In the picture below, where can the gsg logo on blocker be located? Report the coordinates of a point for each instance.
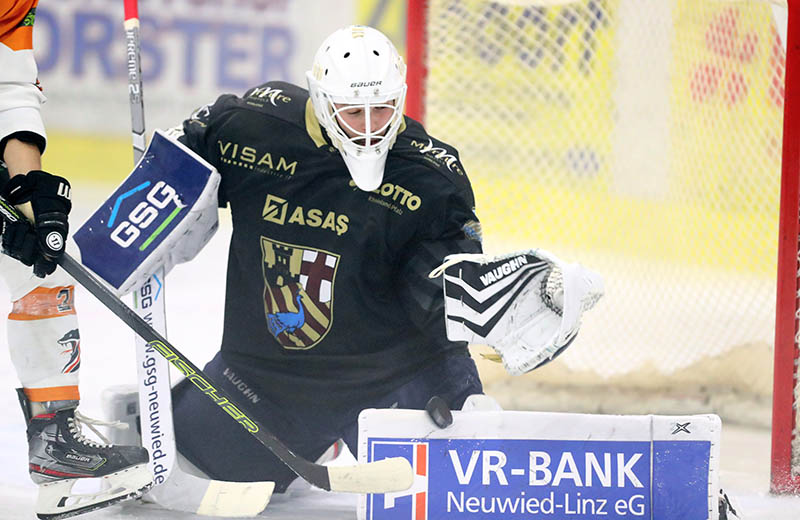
(130, 228)
(411, 504)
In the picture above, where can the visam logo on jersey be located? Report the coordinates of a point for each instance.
(298, 292)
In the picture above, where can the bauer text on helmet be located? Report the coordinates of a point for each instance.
(358, 87)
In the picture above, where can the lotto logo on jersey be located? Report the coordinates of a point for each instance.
(411, 504)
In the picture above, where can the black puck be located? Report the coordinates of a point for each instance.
(439, 412)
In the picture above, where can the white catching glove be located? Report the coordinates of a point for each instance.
(526, 305)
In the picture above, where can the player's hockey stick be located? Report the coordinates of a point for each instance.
(175, 489)
(383, 476)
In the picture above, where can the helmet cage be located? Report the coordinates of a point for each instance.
(376, 141)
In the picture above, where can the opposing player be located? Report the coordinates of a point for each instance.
(43, 334)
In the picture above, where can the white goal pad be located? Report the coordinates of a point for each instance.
(506, 464)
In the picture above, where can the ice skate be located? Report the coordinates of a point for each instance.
(64, 463)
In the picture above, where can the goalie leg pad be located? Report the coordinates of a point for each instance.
(232, 454)
(481, 403)
(186, 488)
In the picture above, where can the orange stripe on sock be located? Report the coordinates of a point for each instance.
(44, 302)
(54, 393)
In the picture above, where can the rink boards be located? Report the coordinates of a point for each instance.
(500, 465)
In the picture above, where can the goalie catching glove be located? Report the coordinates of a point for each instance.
(526, 305)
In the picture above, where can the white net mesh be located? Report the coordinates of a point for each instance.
(641, 138)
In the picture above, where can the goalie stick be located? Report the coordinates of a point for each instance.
(383, 476)
(174, 488)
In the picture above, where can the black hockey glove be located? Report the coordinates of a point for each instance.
(43, 244)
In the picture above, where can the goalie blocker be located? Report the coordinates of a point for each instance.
(526, 305)
(161, 215)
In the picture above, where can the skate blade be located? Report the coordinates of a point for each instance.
(57, 501)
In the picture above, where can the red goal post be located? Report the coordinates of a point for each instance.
(786, 394)
(652, 140)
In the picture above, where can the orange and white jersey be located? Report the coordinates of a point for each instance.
(20, 95)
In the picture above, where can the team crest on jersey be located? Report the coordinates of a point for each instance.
(298, 292)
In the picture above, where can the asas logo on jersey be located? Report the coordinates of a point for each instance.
(276, 210)
(251, 158)
(298, 292)
(411, 504)
(71, 343)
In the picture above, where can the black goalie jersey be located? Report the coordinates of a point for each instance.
(328, 297)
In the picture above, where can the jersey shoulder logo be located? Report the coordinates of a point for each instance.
(270, 95)
(298, 292)
(438, 156)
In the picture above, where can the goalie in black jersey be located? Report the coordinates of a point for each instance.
(341, 207)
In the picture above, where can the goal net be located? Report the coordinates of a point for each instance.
(642, 138)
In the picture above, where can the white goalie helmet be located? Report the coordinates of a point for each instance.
(358, 68)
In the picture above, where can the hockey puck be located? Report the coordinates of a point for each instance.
(439, 412)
